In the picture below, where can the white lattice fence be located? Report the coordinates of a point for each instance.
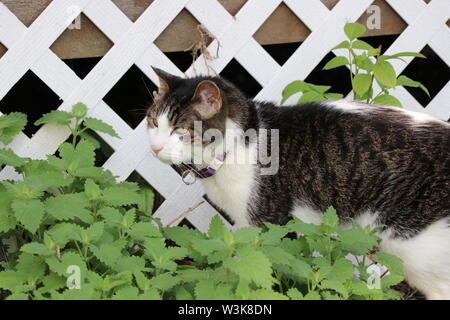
(28, 49)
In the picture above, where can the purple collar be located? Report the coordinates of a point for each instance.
(210, 170)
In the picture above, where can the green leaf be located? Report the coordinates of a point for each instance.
(330, 221)
(385, 73)
(31, 265)
(183, 235)
(111, 216)
(151, 294)
(92, 140)
(294, 294)
(407, 82)
(206, 290)
(354, 30)
(251, 265)
(404, 54)
(359, 44)
(99, 125)
(53, 282)
(334, 96)
(67, 259)
(36, 248)
(11, 125)
(142, 230)
(132, 264)
(343, 45)
(312, 295)
(147, 200)
(307, 229)
(91, 234)
(86, 292)
(341, 270)
(206, 247)
(364, 63)
(7, 219)
(274, 234)
(217, 230)
(387, 99)
(247, 234)
(337, 286)
(29, 213)
(393, 263)
(164, 281)
(182, 294)
(357, 241)
(55, 116)
(107, 253)
(319, 89)
(10, 280)
(127, 293)
(310, 97)
(361, 83)
(18, 296)
(338, 61)
(92, 189)
(79, 110)
(293, 88)
(120, 196)
(82, 156)
(8, 157)
(69, 207)
(62, 233)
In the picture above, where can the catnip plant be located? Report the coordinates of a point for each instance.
(76, 233)
(368, 70)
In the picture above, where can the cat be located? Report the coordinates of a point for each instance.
(379, 165)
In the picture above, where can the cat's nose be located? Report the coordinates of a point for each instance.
(156, 148)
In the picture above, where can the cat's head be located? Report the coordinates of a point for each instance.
(189, 117)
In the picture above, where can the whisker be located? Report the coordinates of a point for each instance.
(148, 90)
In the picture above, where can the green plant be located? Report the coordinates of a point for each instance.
(66, 215)
(366, 66)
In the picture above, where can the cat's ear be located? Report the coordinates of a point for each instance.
(207, 99)
(166, 81)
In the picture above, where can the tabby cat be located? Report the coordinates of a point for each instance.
(382, 166)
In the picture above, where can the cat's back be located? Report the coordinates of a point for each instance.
(352, 123)
(356, 156)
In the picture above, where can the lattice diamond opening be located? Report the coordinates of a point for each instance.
(132, 107)
(63, 46)
(39, 100)
(419, 69)
(237, 74)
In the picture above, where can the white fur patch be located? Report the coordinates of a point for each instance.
(417, 118)
(348, 106)
(426, 258)
(231, 187)
(307, 214)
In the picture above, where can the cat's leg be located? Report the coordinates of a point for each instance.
(426, 258)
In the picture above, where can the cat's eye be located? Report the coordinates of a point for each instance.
(180, 131)
(152, 122)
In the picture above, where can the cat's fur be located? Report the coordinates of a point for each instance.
(379, 165)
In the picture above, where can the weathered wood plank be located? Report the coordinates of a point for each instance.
(282, 27)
